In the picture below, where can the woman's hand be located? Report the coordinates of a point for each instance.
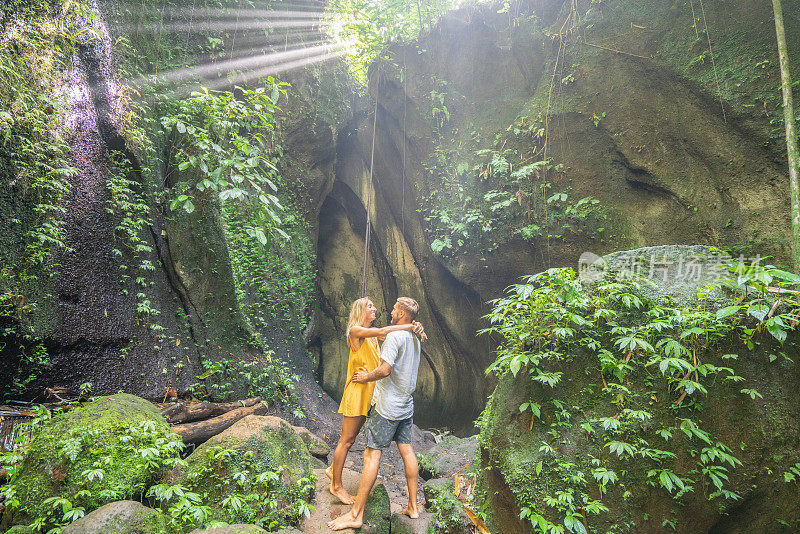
(419, 330)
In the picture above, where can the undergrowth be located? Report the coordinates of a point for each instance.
(657, 362)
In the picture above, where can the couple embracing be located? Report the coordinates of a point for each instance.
(378, 393)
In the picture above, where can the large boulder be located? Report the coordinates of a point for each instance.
(120, 517)
(261, 459)
(113, 447)
(451, 455)
(698, 434)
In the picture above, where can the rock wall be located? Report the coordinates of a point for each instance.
(94, 333)
(634, 120)
(634, 125)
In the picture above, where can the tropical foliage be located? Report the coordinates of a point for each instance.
(658, 363)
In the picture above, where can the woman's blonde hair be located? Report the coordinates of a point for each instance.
(358, 314)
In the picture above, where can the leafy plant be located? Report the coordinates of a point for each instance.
(226, 140)
(34, 160)
(642, 349)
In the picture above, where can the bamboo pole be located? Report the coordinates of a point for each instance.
(791, 136)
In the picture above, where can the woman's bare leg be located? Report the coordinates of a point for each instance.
(351, 426)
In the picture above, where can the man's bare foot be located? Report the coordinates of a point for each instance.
(329, 472)
(411, 511)
(341, 494)
(344, 521)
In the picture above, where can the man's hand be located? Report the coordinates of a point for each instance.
(360, 376)
(418, 329)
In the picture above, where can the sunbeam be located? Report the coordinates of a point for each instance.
(322, 48)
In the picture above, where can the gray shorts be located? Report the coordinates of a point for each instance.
(381, 431)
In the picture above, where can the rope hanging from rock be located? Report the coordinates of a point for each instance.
(369, 192)
(405, 142)
(713, 63)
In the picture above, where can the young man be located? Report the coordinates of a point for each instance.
(391, 415)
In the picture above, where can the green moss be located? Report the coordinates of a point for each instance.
(107, 434)
(448, 511)
(121, 517)
(377, 512)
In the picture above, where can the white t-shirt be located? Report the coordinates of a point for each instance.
(392, 397)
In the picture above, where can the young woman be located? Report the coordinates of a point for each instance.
(364, 352)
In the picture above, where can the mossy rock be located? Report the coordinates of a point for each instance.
(424, 524)
(449, 516)
(447, 457)
(525, 462)
(92, 432)
(21, 529)
(120, 517)
(232, 462)
(377, 512)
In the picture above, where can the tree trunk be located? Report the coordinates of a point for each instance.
(202, 430)
(183, 413)
(791, 137)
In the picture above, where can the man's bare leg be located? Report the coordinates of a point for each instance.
(351, 426)
(355, 517)
(412, 477)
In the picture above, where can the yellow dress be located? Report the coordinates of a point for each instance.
(357, 398)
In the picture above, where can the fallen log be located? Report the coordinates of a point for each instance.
(171, 409)
(200, 431)
(203, 410)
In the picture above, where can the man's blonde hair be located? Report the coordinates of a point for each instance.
(409, 307)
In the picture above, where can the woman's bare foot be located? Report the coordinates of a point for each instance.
(346, 520)
(341, 494)
(411, 511)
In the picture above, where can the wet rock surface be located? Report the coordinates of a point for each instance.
(402, 524)
(328, 507)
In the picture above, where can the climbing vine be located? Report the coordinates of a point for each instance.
(34, 170)
(480, 198)
(226, 140)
